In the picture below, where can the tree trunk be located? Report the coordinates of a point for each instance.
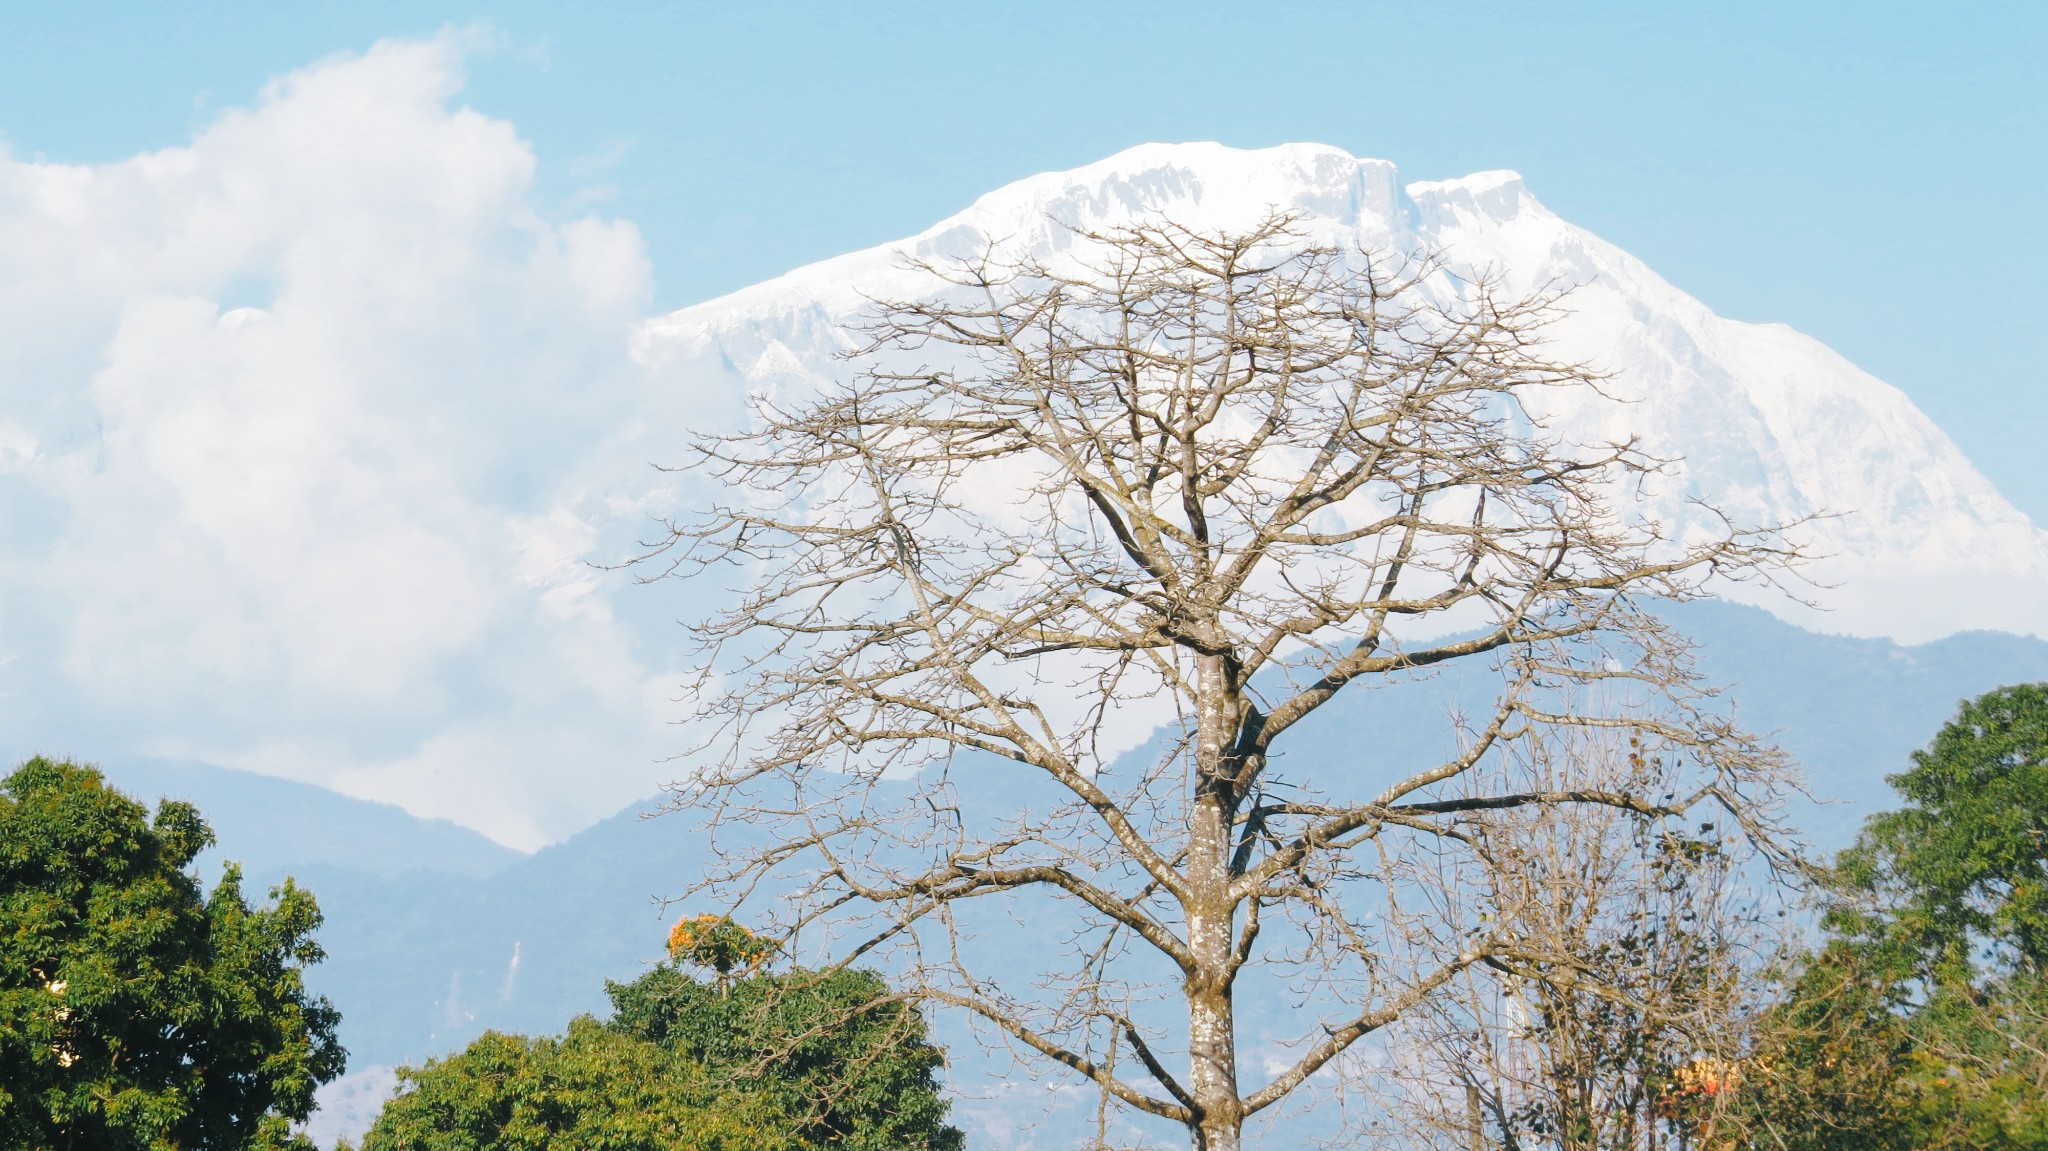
(1212, 1024)
(1212, 1036)
(1475, 1119)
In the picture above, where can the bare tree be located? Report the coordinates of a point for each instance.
(1633, 1033)
(1213, 480)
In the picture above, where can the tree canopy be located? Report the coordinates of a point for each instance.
(590, 1089)
(136, 1012)
(844, 1059)
(1965, 862)
(785, 1061)
(1921, 1023)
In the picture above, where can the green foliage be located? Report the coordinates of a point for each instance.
(135, 1013)
(1835, 1061)
(593, 1089)
(1967, 859)
(1923, 1022)
(848, 1062)
(785, 1062)
(1860, 1055)
(1982, 1072)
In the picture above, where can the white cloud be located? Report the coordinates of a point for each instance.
(303, 430)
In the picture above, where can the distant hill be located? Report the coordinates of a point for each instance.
(1849, 709)
(275, 826)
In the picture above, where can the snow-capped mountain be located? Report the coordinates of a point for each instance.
(1759, 420)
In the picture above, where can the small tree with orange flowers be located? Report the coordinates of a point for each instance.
(845, 1059)
(716, 942)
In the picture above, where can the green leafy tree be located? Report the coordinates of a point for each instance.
(1982, 1070)
(1966, 860)
(788, 1061)
(136, 1012)
(1854, 1062)
(717, 943)
(593, 1089)
(1923, 1021)
(847, 1061)
(1836, 1067)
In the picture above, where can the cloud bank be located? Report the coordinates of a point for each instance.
(300, 429)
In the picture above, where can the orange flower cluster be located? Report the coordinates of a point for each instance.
(718, 943)
(1689, 1100)
(684, 937)
(1709, 1077)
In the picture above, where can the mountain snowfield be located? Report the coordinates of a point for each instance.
(1758, 420)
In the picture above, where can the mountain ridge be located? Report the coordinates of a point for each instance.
(1757, 419)
(271, 825)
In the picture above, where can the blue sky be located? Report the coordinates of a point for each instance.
(1871, 173)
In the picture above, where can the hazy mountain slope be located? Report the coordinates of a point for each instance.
(274, 826)
(420, 963)
(1849, 709)
(1760, 420)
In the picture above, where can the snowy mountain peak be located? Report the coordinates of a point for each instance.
(1761, 421)
(1203, 184)
(1499, 196)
